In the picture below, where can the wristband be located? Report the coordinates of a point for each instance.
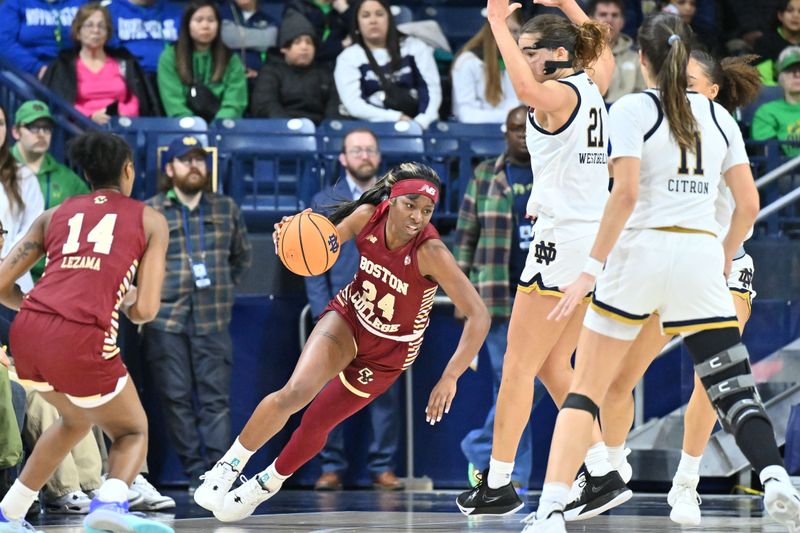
(593, 267)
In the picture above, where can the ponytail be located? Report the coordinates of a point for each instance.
(380, 191)
(665, 41)
(592, 37)
(584, 43)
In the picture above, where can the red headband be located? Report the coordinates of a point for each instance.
(423, 187)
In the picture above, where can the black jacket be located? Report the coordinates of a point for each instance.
(62, 77)
(339, 25)
(282, 90)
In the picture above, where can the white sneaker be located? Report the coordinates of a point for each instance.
(685, 501)
(152, 500)
(242, 502)
(552, 523)
(782, 503)
(76, 502)
(216, 484)
(134, 498)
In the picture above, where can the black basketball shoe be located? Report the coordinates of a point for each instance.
(483, 500)
(598, 495)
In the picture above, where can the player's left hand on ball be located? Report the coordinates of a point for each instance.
(574, 294)
(440, 400)
(285, 220)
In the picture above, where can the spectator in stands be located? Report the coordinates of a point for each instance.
(33, 31)
(360, 159)
(98, 80)
(743, 22)
(627, 77)
(785, 32)
(482, 90)
(188, 347)
(780, 119)
(33, 131)
(145, 28)
(198, 75)
(295, 85)
(701, 17)
(492, 240)
(249, 31)
(385, 75)
(332, 21)
(20, 198)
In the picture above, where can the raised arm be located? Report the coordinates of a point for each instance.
(436, 262)
(150, 277)
(546, 97)
(20, 259)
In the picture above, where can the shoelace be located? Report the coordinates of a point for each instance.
(223, 474)
(254, 490)
(145, 486)
(687, 493)
(530, 519)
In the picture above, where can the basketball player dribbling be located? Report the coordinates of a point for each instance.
(559, 68)
(368, 335)
(662, 255)
(64, 339)
(733, 83)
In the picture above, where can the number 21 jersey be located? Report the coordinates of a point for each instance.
(94, 244)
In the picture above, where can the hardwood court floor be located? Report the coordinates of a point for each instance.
(365, 511)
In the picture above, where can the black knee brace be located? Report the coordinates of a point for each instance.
(581, 403)
(727, 377)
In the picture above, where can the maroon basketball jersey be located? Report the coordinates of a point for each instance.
(389, 296)
(94, 244)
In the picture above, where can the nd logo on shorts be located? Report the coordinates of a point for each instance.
(365, 375)
(545, 252)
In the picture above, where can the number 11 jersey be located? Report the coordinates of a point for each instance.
(94, 244)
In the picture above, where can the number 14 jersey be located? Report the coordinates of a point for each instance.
(389, 299)
(94, 244)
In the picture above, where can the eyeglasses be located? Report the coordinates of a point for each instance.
(92, 26)
(37, 130)
(360, 152)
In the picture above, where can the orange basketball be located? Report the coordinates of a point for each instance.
(308, 244)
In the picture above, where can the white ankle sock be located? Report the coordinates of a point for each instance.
(773, 471)
(597, 460)
(113, 490)
(553, 495)
(270, 479)
(499, 473)
(689, 467)
(237, 455)
(17, 501)
(616, 455)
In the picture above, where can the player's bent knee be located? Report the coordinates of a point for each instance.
(294, 396)
(581, 403)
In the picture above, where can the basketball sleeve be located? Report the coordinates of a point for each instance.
(736, 153)
(628, 120)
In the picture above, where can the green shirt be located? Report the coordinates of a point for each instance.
(58, 182)
(780, 120)
(231, 89)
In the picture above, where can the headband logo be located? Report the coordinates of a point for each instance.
(428, 189)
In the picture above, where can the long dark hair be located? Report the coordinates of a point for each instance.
(101, 155)
(393, 35)
(220, 54)
(584, 43)
(738, 80)
(668, 57)
(8, 172)
(380, 191)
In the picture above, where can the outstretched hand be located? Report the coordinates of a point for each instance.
(440, 400)
(500, 10)
(285, 220)
(574, 293)
(552, 3)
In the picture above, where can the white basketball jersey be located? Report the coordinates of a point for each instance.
(724, 207)
(677, 187)
(570, 165)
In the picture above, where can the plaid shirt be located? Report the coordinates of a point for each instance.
(227, 257)
(484, 235)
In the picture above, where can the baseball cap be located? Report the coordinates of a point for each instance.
(789, 57)
(181, 146)
(31, 111)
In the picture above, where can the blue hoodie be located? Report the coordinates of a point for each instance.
(33, 31)
(144, 30)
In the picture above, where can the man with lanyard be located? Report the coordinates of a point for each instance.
(493, 235)
(33, 131)
(360, 159)
(188, 347)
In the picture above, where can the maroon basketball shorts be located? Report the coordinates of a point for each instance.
(54, 354)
